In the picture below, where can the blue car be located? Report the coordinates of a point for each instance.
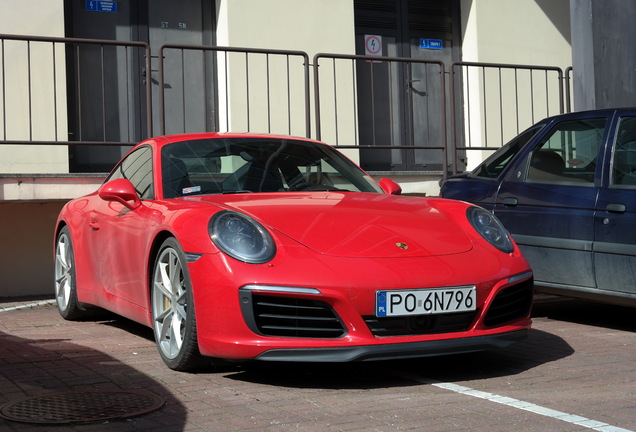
(566, 190)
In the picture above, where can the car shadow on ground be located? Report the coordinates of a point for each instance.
(585, 312)
(539, 348)
(51, 368)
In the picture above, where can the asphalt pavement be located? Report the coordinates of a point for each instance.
(575, 372)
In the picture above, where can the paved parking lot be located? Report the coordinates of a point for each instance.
(576, 372)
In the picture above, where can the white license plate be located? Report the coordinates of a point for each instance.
(425, 301)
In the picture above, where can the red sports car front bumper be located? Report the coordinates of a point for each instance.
(238, 320)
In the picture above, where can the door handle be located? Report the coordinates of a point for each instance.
(616, 208)
(93, 223)
(510, 202)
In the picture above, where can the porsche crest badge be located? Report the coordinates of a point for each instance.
(402, 246)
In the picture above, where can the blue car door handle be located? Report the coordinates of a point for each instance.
(510, 202)
(616, 208)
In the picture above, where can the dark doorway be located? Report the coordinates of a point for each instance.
(107, 83)
(403, 107)
(187, 22)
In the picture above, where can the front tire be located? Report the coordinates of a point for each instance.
(65, 281)
(173, 313)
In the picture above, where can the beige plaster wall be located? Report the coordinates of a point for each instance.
(523, 32)
(325, 26)
(33, 96)
(519, 31)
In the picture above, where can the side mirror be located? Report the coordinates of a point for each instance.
(390, 187)
(122, 191)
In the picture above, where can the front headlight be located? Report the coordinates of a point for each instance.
(241, 237)
(489, 227)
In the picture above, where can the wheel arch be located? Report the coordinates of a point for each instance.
(188, 356)
(59, 226)
(152, 257)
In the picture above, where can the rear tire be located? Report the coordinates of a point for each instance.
(173, 314)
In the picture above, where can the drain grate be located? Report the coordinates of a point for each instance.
(81, 407)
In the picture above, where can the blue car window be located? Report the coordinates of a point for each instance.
(498, 161)
(624, 160)
(568, 154)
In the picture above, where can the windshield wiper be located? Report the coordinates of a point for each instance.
(236, 191)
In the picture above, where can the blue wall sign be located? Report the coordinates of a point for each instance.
(435, 44)
(101, 6)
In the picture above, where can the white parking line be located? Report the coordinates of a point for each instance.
(27, 305)
(519, 404)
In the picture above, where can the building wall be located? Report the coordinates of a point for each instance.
(518, 32)
(521, 32)
(32, 95)
(26, 229)
(305, 25)
(325, 26)
(603, 53)
(26, 259)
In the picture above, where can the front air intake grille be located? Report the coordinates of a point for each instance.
(511, 303)
(294, 317)
(420, 324)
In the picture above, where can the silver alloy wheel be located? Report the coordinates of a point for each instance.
(64, 272)
(170, 304)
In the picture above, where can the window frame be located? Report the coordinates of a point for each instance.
(567, 176)
(520, 141)
(614, 149)
(121, 172)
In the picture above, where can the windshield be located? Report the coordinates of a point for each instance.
(243, 165)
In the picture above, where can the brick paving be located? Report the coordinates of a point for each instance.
(580, 359)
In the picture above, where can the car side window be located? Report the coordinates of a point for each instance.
(498, 161)
(624, 157)
(569, 153)
(137, 167)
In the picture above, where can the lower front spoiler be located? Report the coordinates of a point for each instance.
(395, 351)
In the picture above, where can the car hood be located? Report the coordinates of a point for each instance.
(356, 224)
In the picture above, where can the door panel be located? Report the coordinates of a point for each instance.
(121, 236)
(550, 209)
(399, 104)
(188, 23)
(615, 246)
(105, 84)
(108, 83)
(554, 233)
(425, 95)
(380, 115)
(615, 221)
(119, 244)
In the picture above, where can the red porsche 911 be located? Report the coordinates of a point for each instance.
(263, 247)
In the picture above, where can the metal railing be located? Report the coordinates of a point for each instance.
(568, 89)
(53, 110)
(499, 101)
(383, 91)
(80, 92)
(275, 81)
